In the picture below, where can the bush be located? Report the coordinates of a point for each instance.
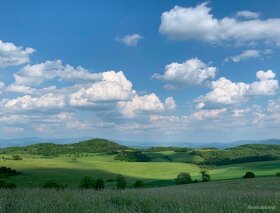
(205, 176)
(195, 181)
(16, 157)
(138, 184)
(132, 156)
(52, 184)
(121, 183)
(99, 184)
(249, 175)
(7, 185)
(110, 180)
(278, 174)
(6, 172)
(87, 183)
(183, 178)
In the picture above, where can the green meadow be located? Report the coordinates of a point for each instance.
(160, 171)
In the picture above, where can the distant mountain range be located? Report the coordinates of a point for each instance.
(221, 145)
(34, 140)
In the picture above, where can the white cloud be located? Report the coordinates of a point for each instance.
(141, 104)
(170, 103)
(34, 75)
(47, 101)
(247, 54)
(198, 23)
(208, 114)
(247, 14)
(190, 72)
(2, 86)
(11, 55)
(274, 106)
(113, 87)
(130, 40)
(225, 92)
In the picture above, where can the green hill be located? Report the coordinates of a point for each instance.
(239, 154)
(48, 149)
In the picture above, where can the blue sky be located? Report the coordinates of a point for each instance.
(140, 70)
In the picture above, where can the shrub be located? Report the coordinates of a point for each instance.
(7, 185)
(195, 181)
(278, 174)
(138, 184)
(87, 182)
(110, 180)
(53, 184)
(10, 186)
(6, 172)
(205, 176)
(16, 157)
(99, 184)
(249, 175)
(132, 156)
(183, 178)
(121, 183)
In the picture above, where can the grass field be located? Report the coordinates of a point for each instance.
(226, 196)
(161, 171)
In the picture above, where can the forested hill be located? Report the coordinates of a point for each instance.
(89, 146)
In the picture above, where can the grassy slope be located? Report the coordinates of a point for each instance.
(66, 170)
(218, 196)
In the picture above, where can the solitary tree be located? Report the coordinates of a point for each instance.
(138, 184)
(87, 182)
(249, 175)
(183, 178)
(121, 183)
(99, 184)
(205, 176)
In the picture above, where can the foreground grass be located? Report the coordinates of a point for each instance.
(218, 196)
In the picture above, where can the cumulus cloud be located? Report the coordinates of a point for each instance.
(199, 23)
(34, 75)
(130, 40)
(208, 114)
(47, 101)
(141, 104)
(170, 103)
(113, 87)
(225, 92)
(2, 86)
(190, 72)
(247, 14)
(246, 54)
(11, 55)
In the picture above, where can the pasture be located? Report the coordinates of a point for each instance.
(161, 171)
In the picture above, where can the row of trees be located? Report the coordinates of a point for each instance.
(185, 177)
(89, 182)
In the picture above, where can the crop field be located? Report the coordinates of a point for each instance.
(225, 196)
(159, 172)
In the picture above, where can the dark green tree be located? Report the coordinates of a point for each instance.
(249, 175)
(183, 178)
(205, 175)
(139, 184)
(87, 182)
(99, 184)
(121, 183)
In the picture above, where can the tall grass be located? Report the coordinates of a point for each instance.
(219, 196)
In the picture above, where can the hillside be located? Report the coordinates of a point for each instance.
(239, 154)
(48, 149)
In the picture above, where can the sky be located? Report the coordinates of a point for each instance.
(163, 71)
